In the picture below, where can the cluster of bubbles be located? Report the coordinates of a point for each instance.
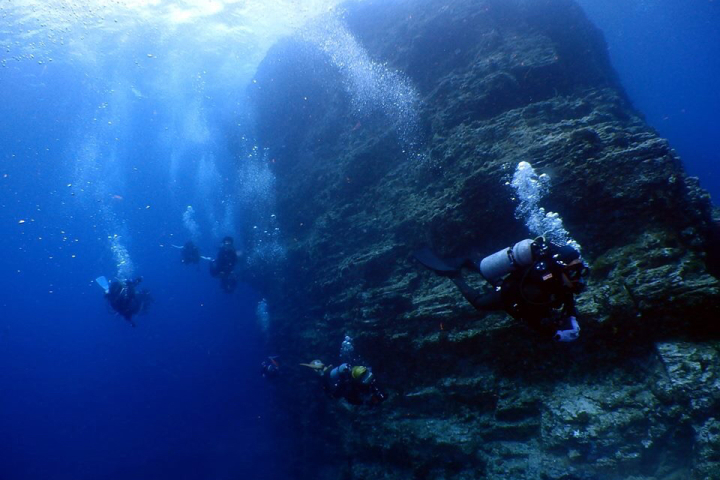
(256, 199)
(530, 189)
(266, 244)
(191, 225)
(94, 166)
(96, 178)
(187, 120)
(256, 180)
(221, 227)
(42, 28)
(216, 202)
(370, 85)
(121, 256)
(347, 351)
(262, 315)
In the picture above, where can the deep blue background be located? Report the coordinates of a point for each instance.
(667, 54)
(85, 395)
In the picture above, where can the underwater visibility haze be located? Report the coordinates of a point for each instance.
(122, 124)
(129, 128)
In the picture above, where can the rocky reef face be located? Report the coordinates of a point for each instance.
(365, 176)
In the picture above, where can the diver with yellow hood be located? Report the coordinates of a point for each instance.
(356, 384)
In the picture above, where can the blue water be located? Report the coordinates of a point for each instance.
(115, 145)
(112, 126)
(86, 396)
(666, 55)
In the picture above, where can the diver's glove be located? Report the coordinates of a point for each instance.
(569, 335)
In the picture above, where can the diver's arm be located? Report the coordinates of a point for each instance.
(571, 332)
(570, 329)
(478, 299)
(568, 309)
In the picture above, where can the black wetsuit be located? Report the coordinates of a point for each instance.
(190, 254)
(534, 294)
(125, 299)
(339, 383)
(223, 266)
(226, 260)
(269, 369)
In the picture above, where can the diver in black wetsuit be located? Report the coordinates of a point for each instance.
(124, 297)
(190, 253)
(535, 281)
(223, 265)
(356, 384)
(270, 368)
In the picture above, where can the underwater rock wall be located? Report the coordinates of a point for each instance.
(359, 188)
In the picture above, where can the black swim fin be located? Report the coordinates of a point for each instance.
(429, 260)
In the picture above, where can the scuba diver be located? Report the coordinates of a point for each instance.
(270, 368)
(223, 265)
(190, 253)
(535, 281)
(356, 384)
(124, 297)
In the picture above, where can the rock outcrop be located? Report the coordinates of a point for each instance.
(359, 189)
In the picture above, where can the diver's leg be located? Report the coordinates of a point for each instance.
(479, 300)
(465, 262)
(445, 266)
(428, 259)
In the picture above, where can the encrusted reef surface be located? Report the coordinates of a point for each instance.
(365, 176)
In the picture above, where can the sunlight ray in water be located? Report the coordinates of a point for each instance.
(56, 30)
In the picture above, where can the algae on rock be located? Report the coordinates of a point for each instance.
(471, 395)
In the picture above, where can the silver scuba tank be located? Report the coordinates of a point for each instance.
(495, 266)
(337, 371)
